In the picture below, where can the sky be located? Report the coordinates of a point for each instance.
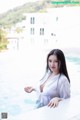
(6, 5)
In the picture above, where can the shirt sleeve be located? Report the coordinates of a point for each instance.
(64, 88)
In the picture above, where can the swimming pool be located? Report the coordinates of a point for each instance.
(16, 106)
(14, 72)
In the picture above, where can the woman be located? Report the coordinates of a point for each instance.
(55, 85)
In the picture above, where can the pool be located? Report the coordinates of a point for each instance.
(16, 106)
(15, 74)
(74, 73)
(13, 78)
(74, 59)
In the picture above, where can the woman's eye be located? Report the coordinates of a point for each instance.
(53, 61)
(56, 61)
(50, 60)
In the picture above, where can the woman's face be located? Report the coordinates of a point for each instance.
(53, 63)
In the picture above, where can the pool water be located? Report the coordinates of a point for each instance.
(15, 107)
(13, 76)
(76, 60)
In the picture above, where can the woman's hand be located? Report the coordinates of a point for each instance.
(29, 89)
(54, 102)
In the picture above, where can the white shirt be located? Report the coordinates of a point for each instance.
(57, 86)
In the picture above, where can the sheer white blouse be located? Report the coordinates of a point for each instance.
(57, 86)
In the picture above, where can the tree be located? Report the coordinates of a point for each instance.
(3, 39)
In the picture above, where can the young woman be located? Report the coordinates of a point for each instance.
(55, 85)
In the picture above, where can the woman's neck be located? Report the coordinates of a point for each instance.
(55, 73)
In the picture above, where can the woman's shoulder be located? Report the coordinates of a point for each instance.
(63, 78)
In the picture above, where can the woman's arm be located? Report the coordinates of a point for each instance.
(63, 91)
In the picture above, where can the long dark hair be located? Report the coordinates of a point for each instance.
(62, 62)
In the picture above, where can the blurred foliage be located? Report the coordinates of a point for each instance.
(18, 30)
(3, 40)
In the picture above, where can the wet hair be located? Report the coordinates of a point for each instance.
(62, 62)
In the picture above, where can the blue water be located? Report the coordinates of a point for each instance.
(14, 72)
(75, 60)
(16, 108)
